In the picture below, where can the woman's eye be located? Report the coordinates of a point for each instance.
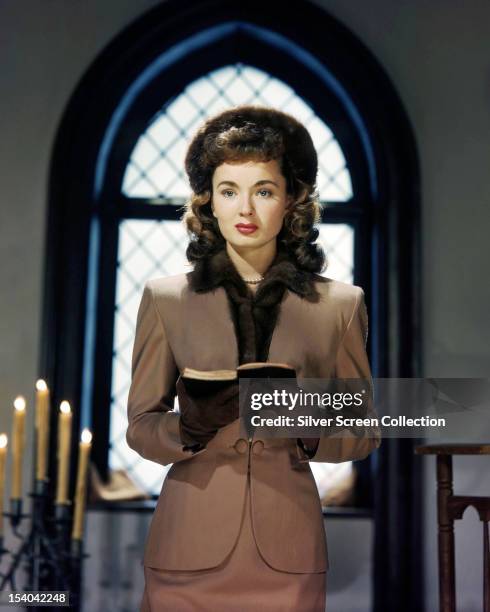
(228, 193)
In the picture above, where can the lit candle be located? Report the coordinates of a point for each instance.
(42, 428)
(83, 458)
(63, 455)
(18, 441)
(3, 458)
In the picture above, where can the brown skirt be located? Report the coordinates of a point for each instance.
(242, 582)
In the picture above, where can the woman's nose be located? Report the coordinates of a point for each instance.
(246, 205)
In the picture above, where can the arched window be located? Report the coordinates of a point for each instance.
(117, 185)
(154, 175)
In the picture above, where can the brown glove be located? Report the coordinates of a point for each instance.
(204, 409)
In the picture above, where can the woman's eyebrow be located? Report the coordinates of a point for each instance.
(263, 182)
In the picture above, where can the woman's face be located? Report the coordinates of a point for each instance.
(249, 193)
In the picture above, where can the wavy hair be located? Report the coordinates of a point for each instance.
(254, 133)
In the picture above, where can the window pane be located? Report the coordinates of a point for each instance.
(156, 166)
(147, 249)
(337, 240)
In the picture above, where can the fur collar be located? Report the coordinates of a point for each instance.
(254, 315)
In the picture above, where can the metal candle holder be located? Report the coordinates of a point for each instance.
(48, 551)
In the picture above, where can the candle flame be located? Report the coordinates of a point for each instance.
(41, 385)
(65, 406)
(20, 403)
(86, 436)
(3, 440)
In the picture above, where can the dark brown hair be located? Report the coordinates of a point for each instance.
(255, 133)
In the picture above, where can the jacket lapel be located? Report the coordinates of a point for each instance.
(254, 316)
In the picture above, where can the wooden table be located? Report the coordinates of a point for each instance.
(450, 508)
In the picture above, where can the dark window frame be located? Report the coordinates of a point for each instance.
(84, 208)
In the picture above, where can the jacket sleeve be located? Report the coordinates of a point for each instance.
(340, 444)
(153, 425)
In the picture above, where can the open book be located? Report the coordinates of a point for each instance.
(255, 369)
(199, 382)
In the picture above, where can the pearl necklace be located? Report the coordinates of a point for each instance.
(253, 281)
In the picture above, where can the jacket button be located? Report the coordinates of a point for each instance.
(257, 447)
(241, 446)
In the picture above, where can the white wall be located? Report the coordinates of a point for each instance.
(436, 53)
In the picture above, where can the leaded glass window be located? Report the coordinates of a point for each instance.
(150, 248)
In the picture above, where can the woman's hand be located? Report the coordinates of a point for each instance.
(202, 414)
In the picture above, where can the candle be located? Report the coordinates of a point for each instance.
(83, 458)
(18, 440)
(63, 454)
(3, 457)
(42, 428)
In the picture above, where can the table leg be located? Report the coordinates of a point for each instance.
(447, 590)
(486, 568)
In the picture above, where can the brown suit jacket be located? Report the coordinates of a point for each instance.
(197, 518)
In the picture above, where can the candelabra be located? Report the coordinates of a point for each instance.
(49, 552)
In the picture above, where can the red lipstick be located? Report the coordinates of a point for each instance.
(246, 228)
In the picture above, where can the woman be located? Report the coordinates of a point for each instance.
(238, 524)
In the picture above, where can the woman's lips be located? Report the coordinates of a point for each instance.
(246, 229)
